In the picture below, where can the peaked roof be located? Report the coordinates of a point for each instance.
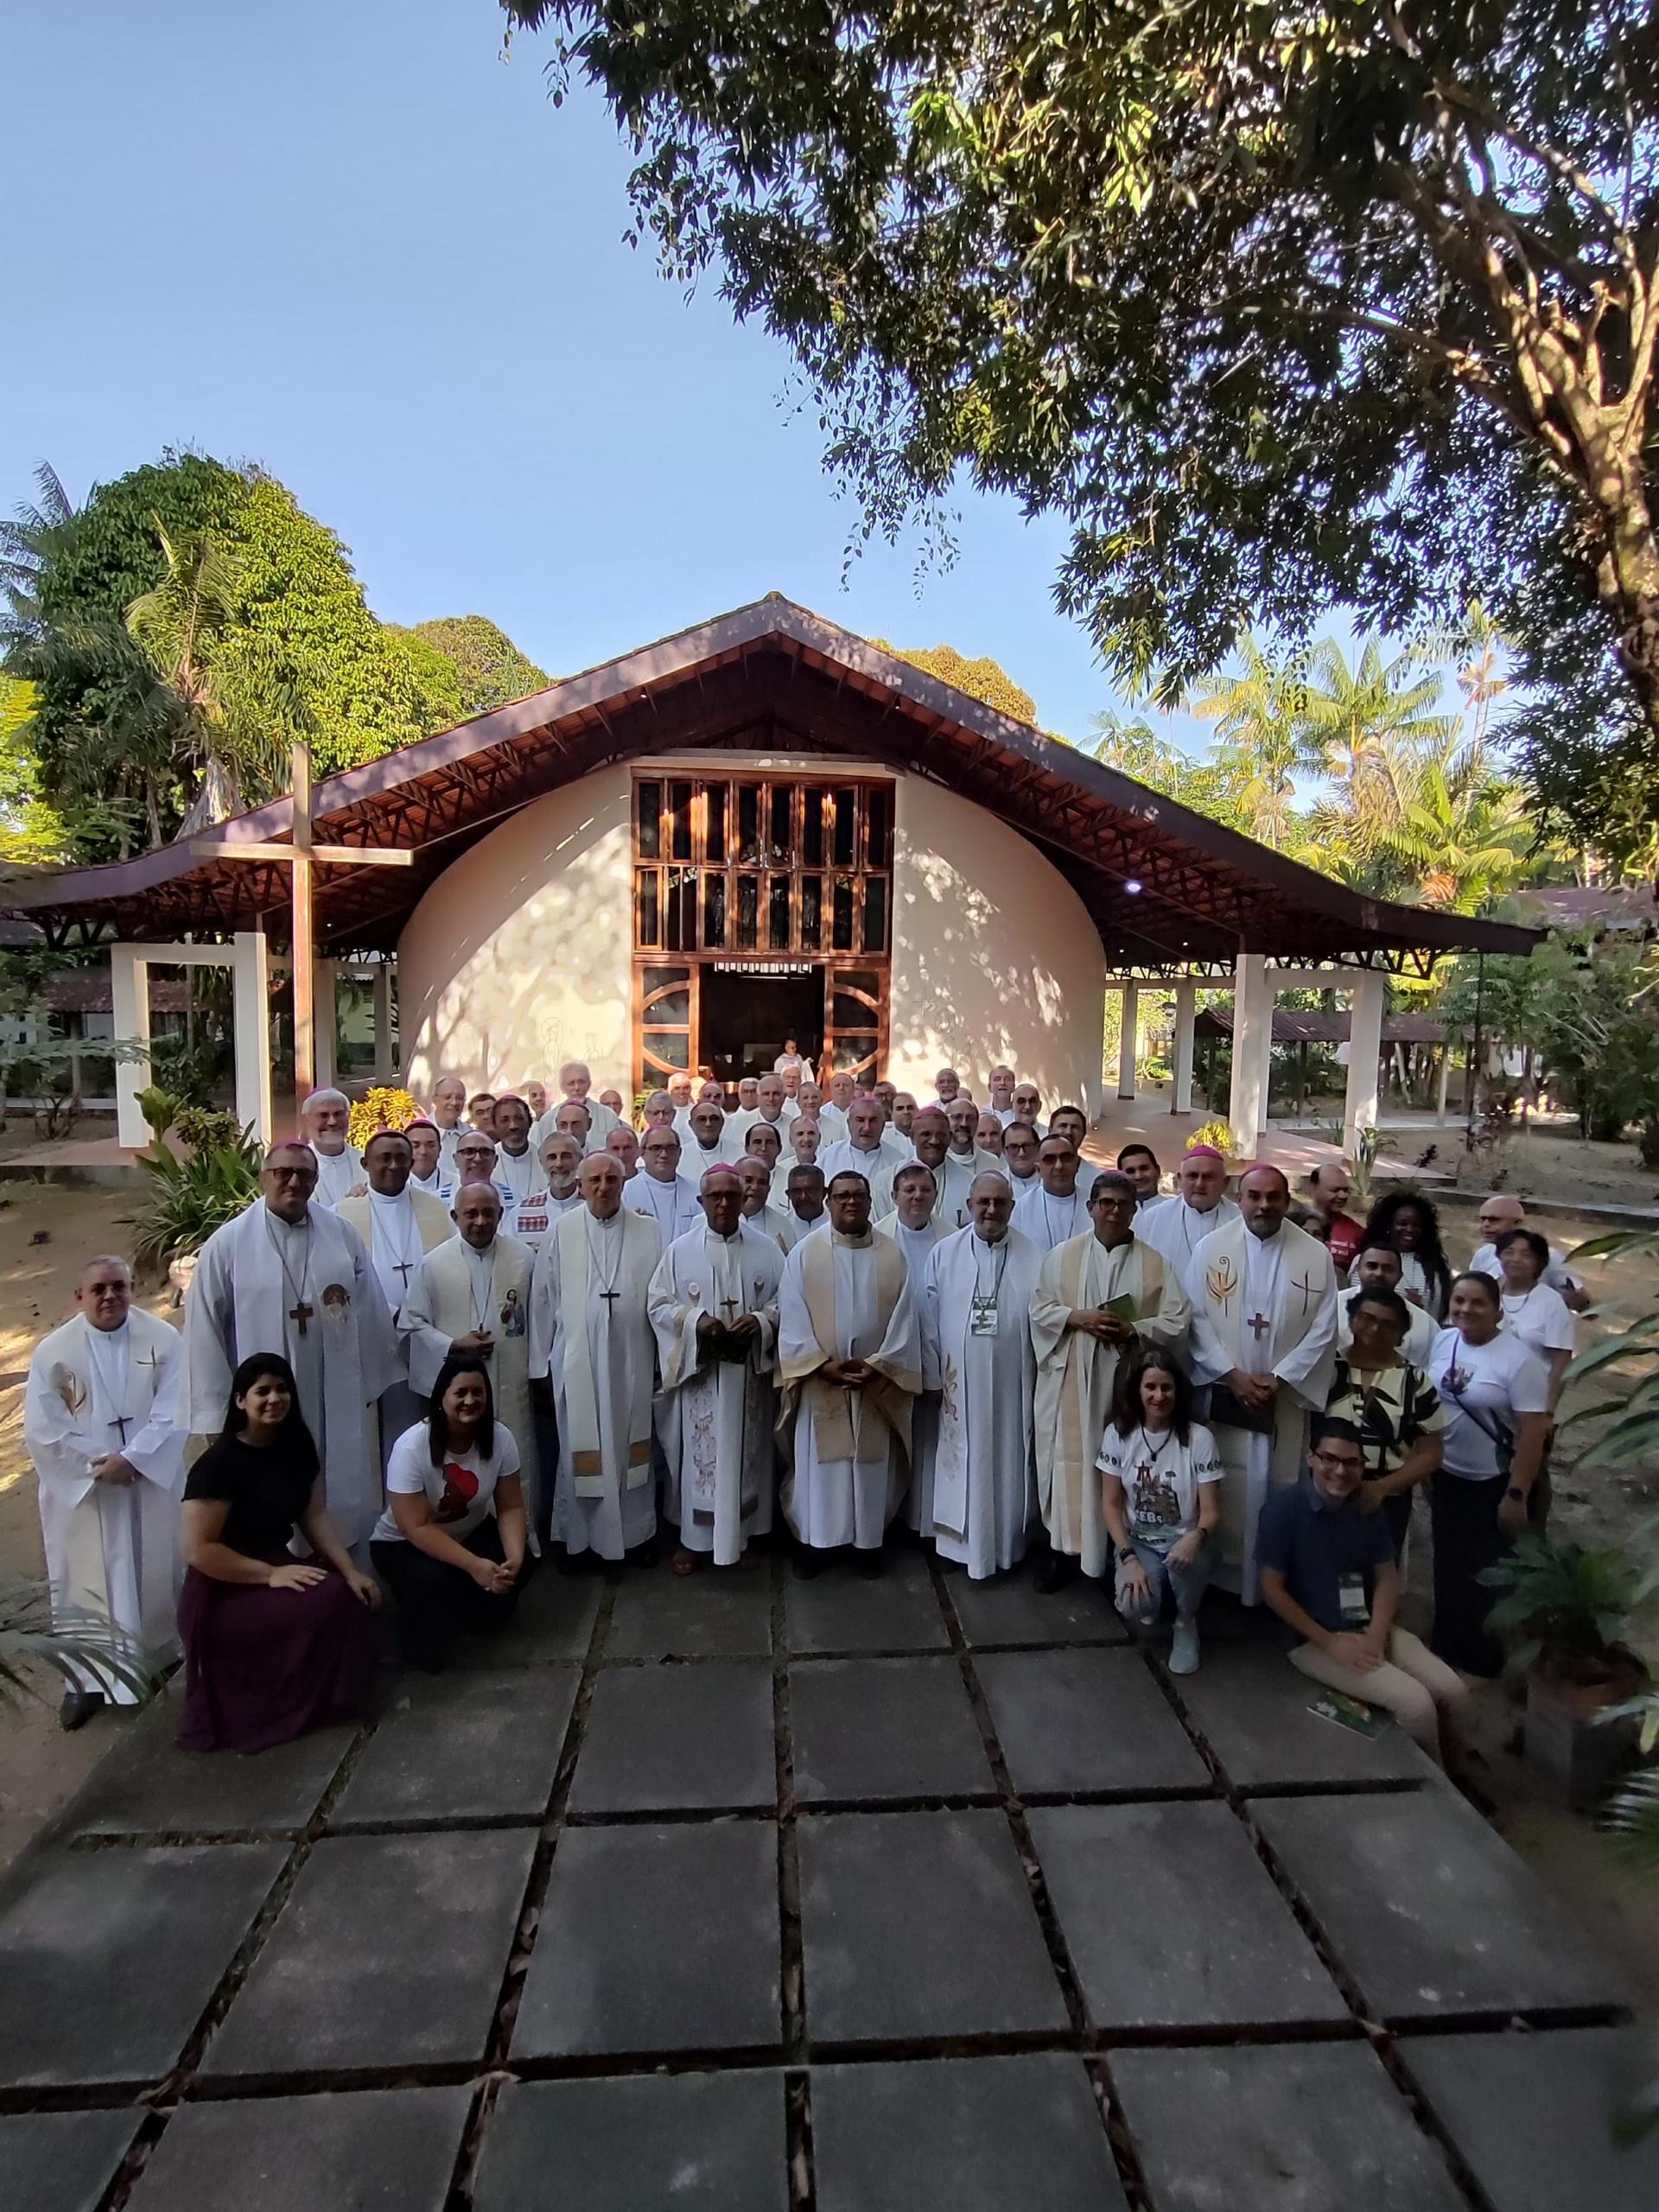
(1166, 888)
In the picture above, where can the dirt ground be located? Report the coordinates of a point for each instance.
(46, 1232)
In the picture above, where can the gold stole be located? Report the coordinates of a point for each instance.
(581, 1399)
(833, 1430)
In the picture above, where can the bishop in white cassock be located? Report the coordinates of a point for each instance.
(714, 1307)
(99, 1425)
(288, 1277)
(849, 1349)
(1079, 1340)
(976, 1354)
(471, 1294)
(1051, 1209)
(1179, 1225)
(324, 1120)
(915, 1228)
(1264, 1323)
(591, 1337)
(400, 1225)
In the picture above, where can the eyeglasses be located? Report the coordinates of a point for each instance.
(1339, 1464)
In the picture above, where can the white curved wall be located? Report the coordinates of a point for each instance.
(519, 956)
(994, 956)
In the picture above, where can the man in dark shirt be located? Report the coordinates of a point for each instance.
(1327, 1570)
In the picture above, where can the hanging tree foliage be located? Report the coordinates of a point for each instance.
(1279, 306)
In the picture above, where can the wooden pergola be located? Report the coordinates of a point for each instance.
(1173, 895)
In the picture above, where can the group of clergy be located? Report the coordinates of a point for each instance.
(849, 1302)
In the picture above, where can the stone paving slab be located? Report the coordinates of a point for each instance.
(553, 1620)
(656, 1939)
(1428, 1909)
(390, 1952)
(148, 1786)
(1252, 1709)
(920, 1924)
(373, 2151)
(1260, 2128)
(1533, 2115)
(62, 2161)
(1017, 2135)
(662, 1738)
(650, 2143)
(874, 1728)
(1011, 1610)
(838, 1611)
(1086, 1720)
(723, 1613)
(108, 1958)
(1173, 1922)
(473, 1746)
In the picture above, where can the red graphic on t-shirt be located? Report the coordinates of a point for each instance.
(459, 1489)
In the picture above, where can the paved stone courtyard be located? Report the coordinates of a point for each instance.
(804, 1896)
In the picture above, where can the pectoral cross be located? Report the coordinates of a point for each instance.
(123, 1423)
(301, 1313)
(610, 1298)
(1259, 1326)
(405, 1267)
(734, 1305)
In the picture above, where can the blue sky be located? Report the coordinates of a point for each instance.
(346, 240)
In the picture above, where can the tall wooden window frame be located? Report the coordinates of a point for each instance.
(700, 842)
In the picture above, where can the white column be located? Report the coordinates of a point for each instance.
(250, 1010)
(1366, 999)
(326, 1020)
(130, 1005)
(1187, 1000)
(1444, 1078)
(1252, 1044)
(383, 1070)
(1128, 1039)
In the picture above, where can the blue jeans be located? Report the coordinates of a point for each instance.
(1187, 1584)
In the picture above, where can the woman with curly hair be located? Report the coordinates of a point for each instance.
(1407, 1222)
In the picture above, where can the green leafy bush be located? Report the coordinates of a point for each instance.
(186, 1200)
(1564, 1608)
(206, 1128)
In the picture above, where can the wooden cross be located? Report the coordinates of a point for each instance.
(1259, 1326)
(301, 1312)
(303, 855)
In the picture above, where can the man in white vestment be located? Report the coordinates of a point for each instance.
(325, 1119)
(400, 1225)
(1028, 1108)
(850, 1351)
(428, 1172)
(947, 1088)
(658, 1114)
(1178, 1224)
(837, 1105)
(1056, 1210)
(661, 1191)
(471, 1294)
(714, 1306)
(288, 1276)
(474, 1159)
(683, 1095)
(709, 1144)
(1142, 1165)
(534, 1095)
(528, 1222)
(862, 1153)
(915, 1228)
(976, 1354)
(804, 1209)
(1264, 1324)
(517, 1164)
(1001, 1104)
(100, 1426)
(903, 1114)
(448, 1117)
(808, 1099)
(574, 1118)
(576, 1082)
(769, 1111)
(1019, 1143)
(623, 1147)
(805, 1143)
(591, 1337)
(754, 1182)
(761, 1142)
(1098, 1295)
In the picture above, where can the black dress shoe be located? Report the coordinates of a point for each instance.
(807, 1563)
(78, 1708)
(870, 1564)
(1052, 1570)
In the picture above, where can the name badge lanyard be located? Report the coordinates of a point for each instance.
(982, 1314)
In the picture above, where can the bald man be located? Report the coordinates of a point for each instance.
(1500, 1212)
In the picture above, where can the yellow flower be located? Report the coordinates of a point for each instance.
(383, 1109)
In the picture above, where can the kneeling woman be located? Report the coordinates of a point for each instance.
(273, 1645)
(1162, 1497)
(450, 1545)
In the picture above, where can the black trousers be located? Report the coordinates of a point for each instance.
(438, 1603)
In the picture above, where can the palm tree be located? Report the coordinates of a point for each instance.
(1466, 833)
(28, 544)
(1366, 723)
(1260, 746)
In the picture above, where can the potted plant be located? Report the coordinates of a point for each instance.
(1562, 1610)
(185, 1199)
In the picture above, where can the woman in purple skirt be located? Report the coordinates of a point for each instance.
(273, 1645)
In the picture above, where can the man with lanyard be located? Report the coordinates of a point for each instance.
(1057, 1209)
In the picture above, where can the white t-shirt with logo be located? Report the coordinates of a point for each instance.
(1540, 1317)
(1161, 1478)
(461, 1493)
(1483, 1388)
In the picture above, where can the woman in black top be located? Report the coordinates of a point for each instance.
(1408, 1223)
(273, 1645)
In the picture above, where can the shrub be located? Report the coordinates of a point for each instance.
(186, 1200)
(384, 1108)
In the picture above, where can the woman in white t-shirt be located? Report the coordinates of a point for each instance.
(1161, 1480)
(1532, 1310)
(1495, 1394)
(450, 1545)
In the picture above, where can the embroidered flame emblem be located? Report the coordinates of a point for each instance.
(1221, 1281)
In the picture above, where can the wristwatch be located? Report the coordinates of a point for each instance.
(1514, 1490)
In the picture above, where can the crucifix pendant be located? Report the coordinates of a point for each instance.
(728, 1306)
(610, 1298)
(1259, 1326)
(300, 1313)
(403, 1268)
(121, 1423)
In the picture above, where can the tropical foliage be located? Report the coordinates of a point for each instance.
(183, 1201)
(983, 679)
(72, 1645)
(491, 671)
(173, 635)
(385, 1107)
(1279, 310)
